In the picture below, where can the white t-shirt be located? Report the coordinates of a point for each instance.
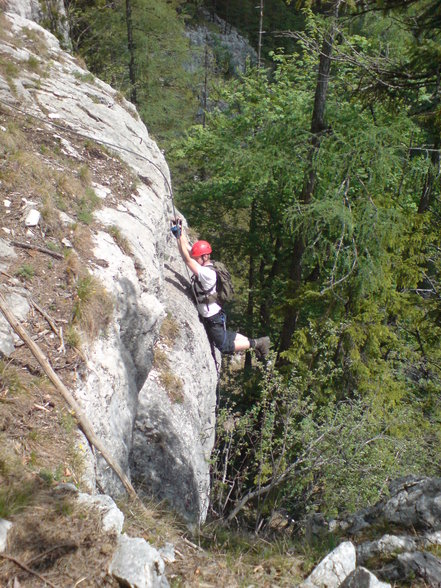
(207, 278)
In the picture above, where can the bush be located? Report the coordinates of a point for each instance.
(283, 449)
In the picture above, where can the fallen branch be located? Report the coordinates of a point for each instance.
(37, 248)
(188, 542)
(80, 415)
(51, 322)
(61, 546)
(27, 569)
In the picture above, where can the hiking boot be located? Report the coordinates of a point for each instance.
(262, 347)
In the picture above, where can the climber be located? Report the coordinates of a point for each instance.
(197, 259)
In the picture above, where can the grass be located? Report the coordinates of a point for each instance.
(26, 272)
(93, 306)
(33, 64)
(120, 240)
(14, 498)
(171, 383)
(10, 381)
(169, 330)
(26, 170)
(9, 68)
(84, 77)
(72, 337)
(36, 41)
(87, 203)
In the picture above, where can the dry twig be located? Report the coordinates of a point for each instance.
(37, 248)
(27, 569)
(53, 326)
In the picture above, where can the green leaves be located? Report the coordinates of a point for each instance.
(164, 93)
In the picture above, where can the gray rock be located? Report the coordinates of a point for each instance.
(168, 553)
(36, 10)
(137, 564)
(66, 488)
(388, 544)
(5, 526)
(430, 539)
(18, 304)
(333, 569)
(32, 218)
(111, 517)
(363, 578)
(161, 440)
(26, 8)
(7, 254)
(174, 427)
(413, 503)
(421, 565)
(220, 36)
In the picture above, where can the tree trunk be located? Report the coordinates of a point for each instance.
(205, 90)
(318, 126)
(131, 47)
(429, 182)
(266, 285)
(259, 48)
(251, 282)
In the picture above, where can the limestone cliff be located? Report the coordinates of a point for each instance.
(148, 384)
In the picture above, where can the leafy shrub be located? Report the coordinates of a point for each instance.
(278, 447)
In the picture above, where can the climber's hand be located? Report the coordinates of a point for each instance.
(176, 228)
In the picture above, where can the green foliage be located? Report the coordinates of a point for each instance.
(25, 271)
(357, 403)
(293, 448)
(163, 89)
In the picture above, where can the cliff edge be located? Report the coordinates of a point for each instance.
(82, 178)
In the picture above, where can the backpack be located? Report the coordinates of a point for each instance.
(224, 286)
(224, 283)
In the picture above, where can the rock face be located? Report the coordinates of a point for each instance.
(227, 47)
(149, 384)
(52, 13)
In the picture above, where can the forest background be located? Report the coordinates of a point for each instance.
(315, 175)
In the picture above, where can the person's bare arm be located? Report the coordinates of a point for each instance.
(184, 250)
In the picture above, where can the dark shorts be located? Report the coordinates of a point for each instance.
(218, 334)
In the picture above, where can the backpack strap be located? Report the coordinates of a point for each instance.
(204, 296)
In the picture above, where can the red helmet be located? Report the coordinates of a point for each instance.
(200, 248)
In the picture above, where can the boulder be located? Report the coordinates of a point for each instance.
(417, 565)
(363, 578)
(413, 503)
(137, 564)
(333, 569)
(112, 519)
(5, 526)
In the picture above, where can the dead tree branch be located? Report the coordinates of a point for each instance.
(27, 569)
(37, 248)
(79, 413)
